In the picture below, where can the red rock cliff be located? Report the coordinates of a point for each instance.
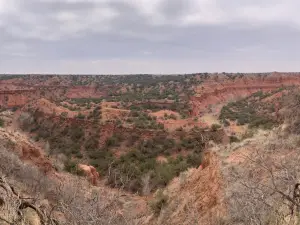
(223, 89)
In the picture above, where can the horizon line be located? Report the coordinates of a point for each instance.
(132, 74)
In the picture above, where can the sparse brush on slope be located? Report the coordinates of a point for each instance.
(263, 183)
(1, 122)
(140, 158)
(51, 201)
(249, 111)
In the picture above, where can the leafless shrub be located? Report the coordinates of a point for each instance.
(262, 190)
(73, 199)
(59, 161)
(146, 184)
(290, 112)
(25, 119)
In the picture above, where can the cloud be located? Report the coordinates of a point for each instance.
(153, 35)
(147, 52)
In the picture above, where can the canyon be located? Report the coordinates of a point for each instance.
(163, 150)
(218, 88)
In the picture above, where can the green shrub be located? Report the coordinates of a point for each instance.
(112, 141)
(258, 94)
(76, 133)
(164, 174)
(188, 143)
(81, 116)
(37, 138)
(101, 160)
(43, 133)
(75, 148)
(79, 155)
(248, 134)
(194, 159)
(91, 143)
(79, 172)
(160, 126)
(215, 127)
(172, 116)
(15, 108)
(132, 139)
(71, 166)
(262, 122)
(226, 123)
(1, 122)
(159, 202)
(243, 119)
(233, 139)
(64, 115)
(134, 113)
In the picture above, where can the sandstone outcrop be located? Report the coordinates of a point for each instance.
(84, 92)
(90, 172)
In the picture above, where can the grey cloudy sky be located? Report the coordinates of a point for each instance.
(149, 36)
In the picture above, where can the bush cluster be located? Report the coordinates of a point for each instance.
(130, 169)
(1, 122)
(142, 120)
(249, 111)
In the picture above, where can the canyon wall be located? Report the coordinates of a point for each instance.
(14, 98)
(215, 91)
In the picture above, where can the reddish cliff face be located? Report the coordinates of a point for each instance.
(196, 197)
(215, 89)
(223, 89)
(16, 97)
(19, 95)
(84, 92)
(26, 150)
